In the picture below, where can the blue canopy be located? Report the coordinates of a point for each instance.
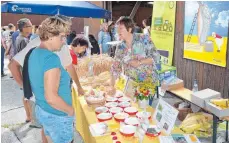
(67, 8)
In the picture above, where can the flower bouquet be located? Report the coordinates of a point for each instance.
(143, 93)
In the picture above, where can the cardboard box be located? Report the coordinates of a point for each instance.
(172, 86)
(217, 110)
(200, 97)
(166, 72)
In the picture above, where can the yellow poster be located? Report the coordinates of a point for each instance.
(205, 31)
(162, 29)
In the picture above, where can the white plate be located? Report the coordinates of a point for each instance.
(104, 116)
(111, 99)
(132, 121)
(122, 99)
(115, 110)
(101, 109)
(111, 104)
(124, 104)
(143, 114)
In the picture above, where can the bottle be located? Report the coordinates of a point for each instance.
(195, 86)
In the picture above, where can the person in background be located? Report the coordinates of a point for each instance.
(95, 45)
(146, 27)
(103, 38)
(137, 29)
(50, 82)
(70, 37)
(78, 46)
(25, 28)
(7, 36)
(3, 47)
(14, 38)
(35, 34)
(111, 29)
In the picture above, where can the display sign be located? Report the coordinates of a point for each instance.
(165, 116)
(162, 29)
(206, 31)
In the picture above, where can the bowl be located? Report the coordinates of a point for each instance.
(115, 110)
(122, 99)
(153, 131)
(101, 109)
(127, 130)
(111, 99)
(124, 104)
(142, 114)
(120, 117)
(104, 117)
(132, 121)
(111, 104)
(131, 110)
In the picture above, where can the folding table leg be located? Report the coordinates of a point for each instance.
(214, 137)
(226, 131)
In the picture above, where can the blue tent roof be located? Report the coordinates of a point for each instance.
(67, 8)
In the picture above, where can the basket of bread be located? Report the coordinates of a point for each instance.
(101, 63)
(95, 98)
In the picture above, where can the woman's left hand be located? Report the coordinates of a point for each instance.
(134, 63)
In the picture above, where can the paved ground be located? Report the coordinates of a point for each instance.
(13, 128)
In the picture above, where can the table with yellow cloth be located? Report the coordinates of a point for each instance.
(85, 116)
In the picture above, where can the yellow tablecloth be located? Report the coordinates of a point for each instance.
(85, 116)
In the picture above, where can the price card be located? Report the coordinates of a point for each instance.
(121, 82)
(130, 89)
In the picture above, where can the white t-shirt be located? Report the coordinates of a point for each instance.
(64, 53)
(6, 35)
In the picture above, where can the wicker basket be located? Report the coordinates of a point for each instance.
(95, 104)
(182, 112)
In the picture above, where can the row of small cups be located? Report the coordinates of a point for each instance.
(119, 112)
(118, 99)
(114, 111)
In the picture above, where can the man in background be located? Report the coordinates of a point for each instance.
(25, 28)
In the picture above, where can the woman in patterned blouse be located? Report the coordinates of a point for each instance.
(136, 54)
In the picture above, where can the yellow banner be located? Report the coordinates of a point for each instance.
(162, 29)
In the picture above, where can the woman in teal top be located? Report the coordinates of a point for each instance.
(50, 82)
(104, 37)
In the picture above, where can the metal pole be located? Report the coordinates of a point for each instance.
(214, 137)
(133, 12)
(226, 131)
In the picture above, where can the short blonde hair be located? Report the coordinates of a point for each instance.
(53, 26)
